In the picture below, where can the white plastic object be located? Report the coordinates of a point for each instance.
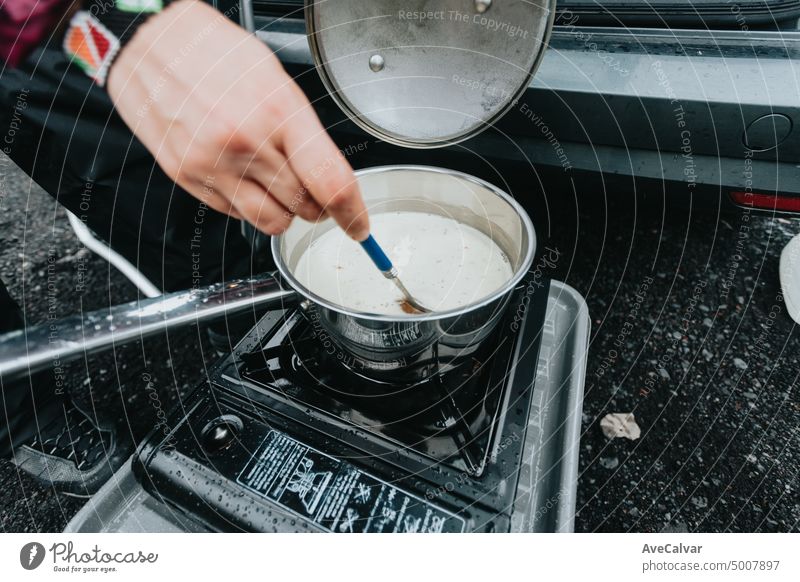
(124, 266)
(790, 277)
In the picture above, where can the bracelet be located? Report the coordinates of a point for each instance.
(97, 33)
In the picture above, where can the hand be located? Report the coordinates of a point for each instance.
(227, 123)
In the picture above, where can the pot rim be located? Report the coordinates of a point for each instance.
(519, 273)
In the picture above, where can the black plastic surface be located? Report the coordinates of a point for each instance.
(189, 470)
(655, 13)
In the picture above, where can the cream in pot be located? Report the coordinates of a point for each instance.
(445, 264)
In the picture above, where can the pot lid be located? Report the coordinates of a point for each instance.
(427, 74)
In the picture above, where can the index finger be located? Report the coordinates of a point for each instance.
(323, 170)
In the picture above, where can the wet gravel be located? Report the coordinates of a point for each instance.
(47, 270)
(689, 333)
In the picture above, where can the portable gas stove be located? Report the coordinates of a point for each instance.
(289, 436)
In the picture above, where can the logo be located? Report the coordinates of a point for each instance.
(31, 555)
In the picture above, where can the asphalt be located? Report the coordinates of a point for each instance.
(690, 334)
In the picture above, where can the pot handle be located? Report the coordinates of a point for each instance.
(57, 342)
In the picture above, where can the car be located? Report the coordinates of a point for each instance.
(694, 99)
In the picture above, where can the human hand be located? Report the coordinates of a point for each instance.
(224, 120)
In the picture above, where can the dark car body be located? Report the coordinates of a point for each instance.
(703, 112)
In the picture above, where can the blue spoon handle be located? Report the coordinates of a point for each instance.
(375, 252)
(377, 255)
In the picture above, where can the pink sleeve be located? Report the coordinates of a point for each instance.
(24, 24)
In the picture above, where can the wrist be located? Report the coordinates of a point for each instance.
(160, 44)
(98, 34)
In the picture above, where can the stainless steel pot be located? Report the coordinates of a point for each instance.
(409, 348)
(400, 349)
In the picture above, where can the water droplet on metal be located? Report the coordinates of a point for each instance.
(482, 6)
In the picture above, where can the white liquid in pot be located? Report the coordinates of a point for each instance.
(443, 263)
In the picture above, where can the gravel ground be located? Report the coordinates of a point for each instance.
(40, 259)
(689, 333)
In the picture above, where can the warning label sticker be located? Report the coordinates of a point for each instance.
(336, 495)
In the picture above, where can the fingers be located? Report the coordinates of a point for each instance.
(272, 171)
(260, 209)
(323, 170)
(220, 204)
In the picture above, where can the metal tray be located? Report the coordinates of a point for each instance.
(546, 495)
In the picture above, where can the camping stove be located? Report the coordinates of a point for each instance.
(289, 435)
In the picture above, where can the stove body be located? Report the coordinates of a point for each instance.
(289, 435)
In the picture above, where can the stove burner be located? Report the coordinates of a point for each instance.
(448, 417)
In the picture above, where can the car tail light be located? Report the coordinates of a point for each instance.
(767, 201)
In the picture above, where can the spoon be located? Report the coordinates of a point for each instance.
(385, 266)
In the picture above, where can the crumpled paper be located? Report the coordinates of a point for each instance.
(620, 425)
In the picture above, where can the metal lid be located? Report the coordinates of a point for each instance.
(427, 74)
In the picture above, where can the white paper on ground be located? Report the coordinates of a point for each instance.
(620, 424)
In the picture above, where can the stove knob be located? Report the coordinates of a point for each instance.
(220, 433)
